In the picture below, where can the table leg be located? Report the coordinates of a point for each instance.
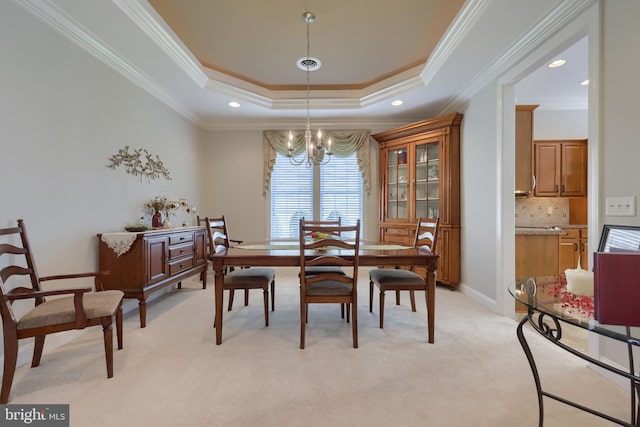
(431, 303)
(532, 364)
(219, 285)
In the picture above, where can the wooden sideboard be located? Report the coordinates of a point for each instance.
(155, 259)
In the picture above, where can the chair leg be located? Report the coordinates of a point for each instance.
(10, 359)
(273, 295)
(108, 344)
(412, 296)
(397, 297)
(354, 323)
(119, 327)
(303, 321)
(246, 297)
(231, 293)
(381, 308)
(370, 296)
(37, 350)
(348, 312)
(342, 310)
(266, 305)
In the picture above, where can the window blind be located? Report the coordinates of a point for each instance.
(341, 190)
(292, 194)
(291, 197)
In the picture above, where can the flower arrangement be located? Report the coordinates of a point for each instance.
(160, 204)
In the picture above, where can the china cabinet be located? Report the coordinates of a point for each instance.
(560, 168)
(420, 178)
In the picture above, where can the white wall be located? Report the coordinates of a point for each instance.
(619, 150)
(560, 124)
(232, 171)
(479, 174)
(63, 114)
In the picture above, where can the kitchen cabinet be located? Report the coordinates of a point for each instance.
(420, 178)
(155, 259)
(536, 254)
(524, 149)
(560, 168)
(574, 246)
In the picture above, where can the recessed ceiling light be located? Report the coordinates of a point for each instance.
(397, 102)
(585, 82)
(556, 63)
(233, 104)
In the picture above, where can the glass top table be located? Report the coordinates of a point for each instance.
(548, 295)
(550, 307)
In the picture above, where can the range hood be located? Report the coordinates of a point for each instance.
(521, 194)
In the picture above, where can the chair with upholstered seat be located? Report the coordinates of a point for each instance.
(404, 279)
(245, 278)
(83, 307)
(202, 222)
(333, 234)
(326, 286)
(330, 268)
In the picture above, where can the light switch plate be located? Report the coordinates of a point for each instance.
(621, 206)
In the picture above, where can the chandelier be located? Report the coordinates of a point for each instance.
(315, 150)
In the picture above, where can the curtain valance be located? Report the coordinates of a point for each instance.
(343, 143)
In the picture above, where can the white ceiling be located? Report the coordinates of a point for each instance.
(559, 88)
(197, 55)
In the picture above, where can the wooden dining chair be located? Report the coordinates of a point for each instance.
(329, 268)
(245, 278)
(81, 308)
(399, 279)
(325, 286)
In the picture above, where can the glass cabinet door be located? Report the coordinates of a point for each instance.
(397, 184)
(427, 188)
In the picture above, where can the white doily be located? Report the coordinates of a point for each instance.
(120, 243)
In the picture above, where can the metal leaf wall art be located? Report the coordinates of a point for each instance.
(139, 163)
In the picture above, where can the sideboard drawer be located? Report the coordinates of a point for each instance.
(180, 265)
(178, 251)
(176, 239)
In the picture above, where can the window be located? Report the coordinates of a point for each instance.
(325, 192)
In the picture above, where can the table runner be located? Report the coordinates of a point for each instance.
(120, 243)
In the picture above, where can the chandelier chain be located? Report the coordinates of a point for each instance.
(314, 152)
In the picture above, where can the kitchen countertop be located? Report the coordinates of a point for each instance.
(538, 231)
(547, 230)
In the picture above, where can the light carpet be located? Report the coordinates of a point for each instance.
(172, 373)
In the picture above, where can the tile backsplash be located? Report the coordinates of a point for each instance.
(542, 211)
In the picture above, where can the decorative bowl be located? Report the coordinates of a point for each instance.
(136, 229)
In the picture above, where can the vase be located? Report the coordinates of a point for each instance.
(156, 220)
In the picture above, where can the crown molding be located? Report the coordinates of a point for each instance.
(290, 124)
(555, 21)
(147, 19)
(54, 17)
(464, 21)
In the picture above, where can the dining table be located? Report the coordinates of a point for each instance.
(287, 254)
